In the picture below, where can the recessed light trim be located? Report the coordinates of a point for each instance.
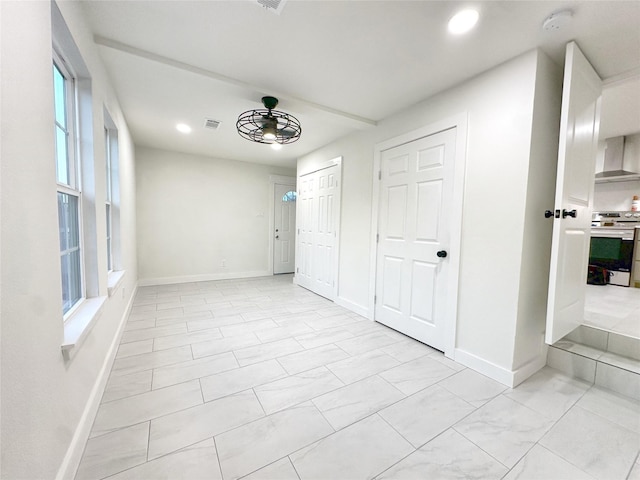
(463, 21)
(183, 128)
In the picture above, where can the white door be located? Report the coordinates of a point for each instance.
(284, 229)
(317, 231)
(416, 195)
(579, 126)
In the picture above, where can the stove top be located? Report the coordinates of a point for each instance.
(615, 219)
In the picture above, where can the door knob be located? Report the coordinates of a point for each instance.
(442, 253)
(569, 213)
(277, 236)
(548, 214)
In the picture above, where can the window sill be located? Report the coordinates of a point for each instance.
(79, 325)
(114, 280)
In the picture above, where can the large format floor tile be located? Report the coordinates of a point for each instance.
(201, 367)
(473, 387)
(549, 392)
(448, 456)
(280, 470)
(267, 351)
(371, 441)
(121, 386)
(233, 381)
(362, 366)
(114, 452)
(603, 449)
(540, 463)
(505, 429)
(426, 414)
(193, 462)
(315, 357)
(262, 380)
(140, 408)
(177, 430)
(255, 445)
(295, 389)
(417, 374)
(356, 401)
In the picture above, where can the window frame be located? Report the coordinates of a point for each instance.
(74, 174)
(109, 197)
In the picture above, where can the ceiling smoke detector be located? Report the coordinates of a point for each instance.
(274, 6)
(557, 20)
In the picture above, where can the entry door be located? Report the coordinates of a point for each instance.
(317, 231)
(579, 126)
(285, 228)
(416, 195)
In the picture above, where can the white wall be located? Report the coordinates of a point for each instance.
(43, 395)
(196, 212)
(536, 252)
(500, 146)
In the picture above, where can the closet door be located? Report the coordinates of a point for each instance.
(318, 223)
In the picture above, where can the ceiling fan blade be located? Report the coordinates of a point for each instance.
(286, 133)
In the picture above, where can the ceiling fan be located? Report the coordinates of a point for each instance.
(268, 125)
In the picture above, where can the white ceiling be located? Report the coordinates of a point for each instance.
(338, 66)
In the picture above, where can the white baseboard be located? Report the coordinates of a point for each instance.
(510, 378)
(354, 307)
(72, 458)
(146, 282)
(531, 367)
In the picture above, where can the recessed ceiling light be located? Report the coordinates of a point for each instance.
(276, 146)
(183, 128)
(463, 21)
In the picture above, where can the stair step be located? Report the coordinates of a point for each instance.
(607, 359)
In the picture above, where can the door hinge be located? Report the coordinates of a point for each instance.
(377, 238)
(375, 299)
(379, 174)
(297, 270)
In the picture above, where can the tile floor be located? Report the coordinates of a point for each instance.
(613, 308)
(261, 379)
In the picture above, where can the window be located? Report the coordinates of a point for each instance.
(69, 196)
(108, 215)
(112, 201)
(289, 197)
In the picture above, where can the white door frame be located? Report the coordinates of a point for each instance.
(273, 180)
(338, 207)
(459, 122)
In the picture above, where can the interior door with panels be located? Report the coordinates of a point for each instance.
(318, 214)
(579, 129)
(416, 194)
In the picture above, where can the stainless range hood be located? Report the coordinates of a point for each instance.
(613, 155)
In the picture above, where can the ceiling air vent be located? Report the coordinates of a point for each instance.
(211, 124)
(274, 6)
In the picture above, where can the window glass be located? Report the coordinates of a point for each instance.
(289, 197)
(69, 250)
